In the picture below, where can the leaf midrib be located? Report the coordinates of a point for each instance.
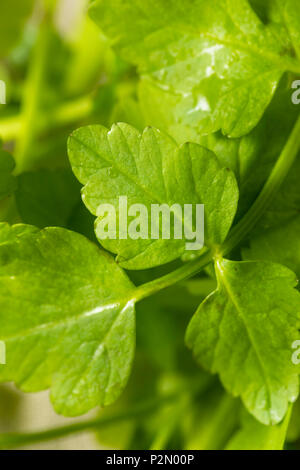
(249, 334)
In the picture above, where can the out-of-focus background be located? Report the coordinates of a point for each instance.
(21, 412)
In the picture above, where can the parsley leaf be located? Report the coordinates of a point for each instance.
(66, 317)
(217, 58)
(253, 156)
(149, 168)
(244, 332)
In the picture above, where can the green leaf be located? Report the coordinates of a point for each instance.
(67, 319)
(244, 331)
(7, 180)
(149, 169)
(9, 234)
(256, 436)
(12, 18)
(218, 59)
(159, 110)
(286, 17)
(253, 156)
(47, 198)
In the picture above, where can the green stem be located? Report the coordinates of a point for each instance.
(170, 422)
(275, 180)
(242, 229)
(65, 114)
(70, 112)
(13, 440)
(180, 274)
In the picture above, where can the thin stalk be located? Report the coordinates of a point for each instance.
(272, 186)
(13, 440)
(223, 421)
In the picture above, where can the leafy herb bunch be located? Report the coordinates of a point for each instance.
(179, 102)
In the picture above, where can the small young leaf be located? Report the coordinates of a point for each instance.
(66, 317)
(218, 59)
(150, 169)
(244, 331)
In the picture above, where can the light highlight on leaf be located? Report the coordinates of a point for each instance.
(217, 60)
(66, 317)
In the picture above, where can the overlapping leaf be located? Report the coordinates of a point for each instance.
(150, 169)
(218, 61)
(244, 331)
(66, 318)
